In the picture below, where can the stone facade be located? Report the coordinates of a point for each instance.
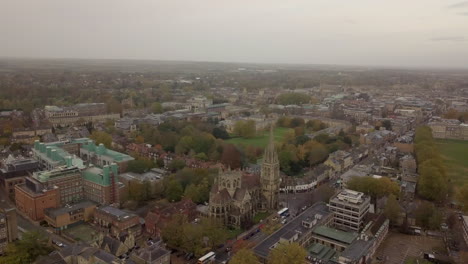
(236, 195)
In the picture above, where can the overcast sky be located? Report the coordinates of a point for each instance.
(359, 32)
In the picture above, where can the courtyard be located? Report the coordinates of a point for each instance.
(260, 140)
(454, 153)
(81, 232)
(397, 248)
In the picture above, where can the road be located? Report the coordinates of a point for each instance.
(24, 225)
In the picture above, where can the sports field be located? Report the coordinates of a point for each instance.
(260, 141)
(455, 155)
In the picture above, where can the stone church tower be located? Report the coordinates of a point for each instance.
(270, 175)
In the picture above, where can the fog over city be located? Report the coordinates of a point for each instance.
(426, 33)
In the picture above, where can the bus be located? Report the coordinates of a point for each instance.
(284, 212)
(208, 258)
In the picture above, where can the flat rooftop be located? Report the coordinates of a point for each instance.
(70, 208)
(291, 228)
(335, 234)
(119, 214)
(350, 196)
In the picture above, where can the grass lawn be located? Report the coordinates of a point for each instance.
(82, 232)
(260, 216)
(455, 155)
(233, 233)
(413, 260)
(261, 140)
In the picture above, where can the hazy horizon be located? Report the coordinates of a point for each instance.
(418, 33)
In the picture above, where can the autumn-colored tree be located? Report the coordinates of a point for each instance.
(451, 114)
(316, 152)
(114, 106)
(139, 139)
(231, 156)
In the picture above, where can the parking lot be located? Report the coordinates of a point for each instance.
(397, 247)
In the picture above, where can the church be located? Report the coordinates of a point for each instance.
(236, 196)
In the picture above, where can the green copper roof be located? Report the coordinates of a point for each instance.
(321, 251)
(54, 152)
(100, 176)
(335, 234)
(102, 150)
(95, 175)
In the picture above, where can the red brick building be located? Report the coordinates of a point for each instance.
(31, 199)
(157, 218)
(117, 221)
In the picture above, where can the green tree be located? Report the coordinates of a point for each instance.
(176, 164)
(139, 191)
(293, 99)
(392, 209)
(462, 197)
(159, 163)
(192, 239)
(387, 124)
(174, 190)
(27, 250)
(316, 152)
(432, 185)
(157, 108)
(220, 133)
(101, 137)
(191, 192)
(375, 187)
(214, 231)
(173, 233)
(287, 254)
(245, 128)
(138, 166)
(244, 256)
(428, 216)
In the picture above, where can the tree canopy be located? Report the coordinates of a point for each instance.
(26, 250)
(375, 187)
(102, 137)
(193, 238)
(462, 197)
(287, 254)
(244, 256)
(433, 181)
(392, 209)
(245, 128)
(293, 99)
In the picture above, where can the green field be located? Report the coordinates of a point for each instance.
(455, 155)
(261, 140)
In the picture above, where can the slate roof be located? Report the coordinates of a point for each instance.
(151, 253)
(221, 196)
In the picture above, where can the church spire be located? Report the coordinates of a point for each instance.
(270, 174)
(270, 152)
